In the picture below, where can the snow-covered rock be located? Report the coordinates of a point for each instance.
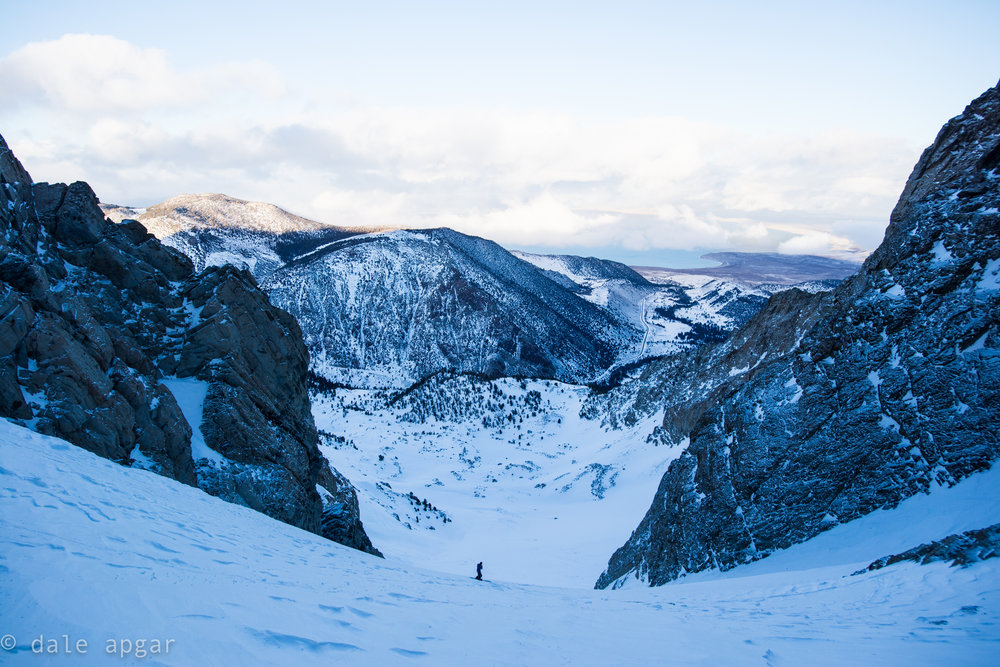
(111, 340)
(825, 408)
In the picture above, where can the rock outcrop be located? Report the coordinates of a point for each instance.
(341, 512)
(961, 549)
(880, 390)
(108, 339)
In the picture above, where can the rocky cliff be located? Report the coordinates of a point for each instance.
(108, 339)
(883, 389)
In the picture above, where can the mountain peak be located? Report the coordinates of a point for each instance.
(207, 211)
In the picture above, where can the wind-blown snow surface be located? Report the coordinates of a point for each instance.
(99, 552)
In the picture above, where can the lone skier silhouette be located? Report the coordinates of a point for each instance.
(479, 571)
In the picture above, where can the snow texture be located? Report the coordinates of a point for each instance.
(99, 552)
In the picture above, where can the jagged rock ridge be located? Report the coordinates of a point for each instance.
(98, 321)
(888, 386)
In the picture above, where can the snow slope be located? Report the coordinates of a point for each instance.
(99, 552)
(526, 484)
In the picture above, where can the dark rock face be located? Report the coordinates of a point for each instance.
(962, 549)
(888, 386)
(341, 514)
(95, 317)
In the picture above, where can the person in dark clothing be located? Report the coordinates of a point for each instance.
(479, 571)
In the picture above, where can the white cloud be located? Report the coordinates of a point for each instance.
(542, 220)
(817, 243)
(366, 209)
(106, 75)
(524, 178)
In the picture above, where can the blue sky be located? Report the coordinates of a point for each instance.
(638, 130)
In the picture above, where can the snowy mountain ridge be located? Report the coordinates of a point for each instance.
(215, 229)
(388, 308)
(409, 303)
(198, 211)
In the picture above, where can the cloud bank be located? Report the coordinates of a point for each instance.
(142, 130)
